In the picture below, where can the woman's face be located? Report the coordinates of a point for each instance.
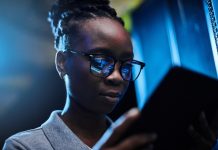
(92, 93)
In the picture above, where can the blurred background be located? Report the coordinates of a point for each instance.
(165, 33)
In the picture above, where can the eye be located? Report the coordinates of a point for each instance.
(101, 65)
(126, 71)
(131, 70)
(127, 67)
(101, 61)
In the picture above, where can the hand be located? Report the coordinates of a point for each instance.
(110, 140)
(203, 135)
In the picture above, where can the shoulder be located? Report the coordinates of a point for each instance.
(30, 139)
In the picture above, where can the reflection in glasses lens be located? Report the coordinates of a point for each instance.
(103, 66)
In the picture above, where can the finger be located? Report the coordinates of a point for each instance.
(121, 125)
(205, 128)
(198, 139)
(137, 142)
(117, 129)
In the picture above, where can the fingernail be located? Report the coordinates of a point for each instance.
(133, 112)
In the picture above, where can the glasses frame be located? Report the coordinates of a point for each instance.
(90, 56)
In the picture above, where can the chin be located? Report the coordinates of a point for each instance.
(108, 109)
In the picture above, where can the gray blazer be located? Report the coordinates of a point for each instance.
(52, 135)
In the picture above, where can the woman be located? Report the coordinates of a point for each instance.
(94, 58)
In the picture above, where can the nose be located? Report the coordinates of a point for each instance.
(115, 77)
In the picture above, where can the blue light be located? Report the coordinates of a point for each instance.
(172, 40)
(140, 85)
(167, 35)
(211, 34)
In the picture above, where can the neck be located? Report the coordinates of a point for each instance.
(88, 126)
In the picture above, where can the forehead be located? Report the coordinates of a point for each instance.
(106, 34)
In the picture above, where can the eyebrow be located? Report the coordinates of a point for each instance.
(106, 51)
(101, 50)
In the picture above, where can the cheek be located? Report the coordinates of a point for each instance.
(125, 87)
(82, 83)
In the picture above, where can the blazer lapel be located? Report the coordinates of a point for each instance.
(60, 136)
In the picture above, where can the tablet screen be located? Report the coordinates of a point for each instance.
(174, 105)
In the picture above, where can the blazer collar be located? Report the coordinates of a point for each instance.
(60, 136)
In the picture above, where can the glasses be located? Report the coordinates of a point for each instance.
(103, 66)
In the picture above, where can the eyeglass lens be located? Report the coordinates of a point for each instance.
(103, 66)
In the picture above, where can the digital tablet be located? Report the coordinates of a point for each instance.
(174, 105)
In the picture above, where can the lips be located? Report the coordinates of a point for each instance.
(111, 94)
(111, 97)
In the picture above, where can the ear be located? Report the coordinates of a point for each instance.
(60, 63)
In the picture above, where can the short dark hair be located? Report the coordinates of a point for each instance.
(64, 11)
